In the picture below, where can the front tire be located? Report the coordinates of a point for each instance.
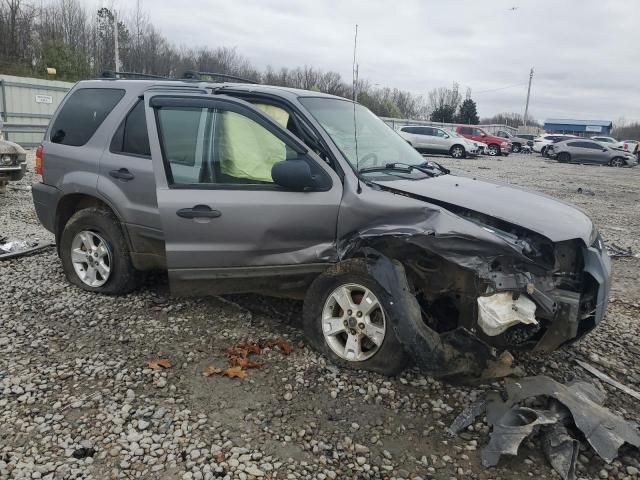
(493, 150)
(458, 151)
(346, 317)
(564, 157)
(95, 254)
(617, 162)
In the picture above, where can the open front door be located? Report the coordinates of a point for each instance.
(227, 226)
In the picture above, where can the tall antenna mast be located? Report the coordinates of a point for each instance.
(116, 49)
(526, 107)
(355, 99)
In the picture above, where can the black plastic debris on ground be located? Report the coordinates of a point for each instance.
(573, 405)
(20, 248)
(616, 251)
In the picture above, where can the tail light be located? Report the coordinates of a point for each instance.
(39, 160)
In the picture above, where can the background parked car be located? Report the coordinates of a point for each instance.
(541, 143)
(631, 146)
(495, 145)
(517, 141)
(438, 140)
(609, 141)
(588, 151)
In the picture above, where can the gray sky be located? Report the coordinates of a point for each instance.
(585, 53)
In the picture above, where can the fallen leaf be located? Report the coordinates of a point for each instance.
(235, 372)
(212, 371)
(219, 457)
(159, 363)
(243, 363)
(284, 346)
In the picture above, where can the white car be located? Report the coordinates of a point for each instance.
(541, 143)
(627, 145)
(427, 139)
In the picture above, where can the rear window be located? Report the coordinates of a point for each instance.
(83, 113)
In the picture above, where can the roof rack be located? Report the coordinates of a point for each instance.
(112, 74)
(194, 75)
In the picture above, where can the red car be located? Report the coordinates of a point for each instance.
(495, 145)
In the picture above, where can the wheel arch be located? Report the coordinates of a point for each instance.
(71, 203)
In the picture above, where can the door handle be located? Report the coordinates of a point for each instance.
(122, 174)
(199, 211)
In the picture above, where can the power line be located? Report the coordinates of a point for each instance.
(500, 88)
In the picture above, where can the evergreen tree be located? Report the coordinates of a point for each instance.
(468, 113)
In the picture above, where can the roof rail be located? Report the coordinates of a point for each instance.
(194, 75)
(114, 75)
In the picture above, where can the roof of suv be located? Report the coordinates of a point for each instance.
(146, 84)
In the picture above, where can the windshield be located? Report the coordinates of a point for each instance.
(451, 133)
(378, 144)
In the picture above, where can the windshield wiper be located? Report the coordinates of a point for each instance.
(401, 167)
(444, 170)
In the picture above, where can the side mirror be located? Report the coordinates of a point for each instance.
(446, 136)
(294, 175)
(484, 134)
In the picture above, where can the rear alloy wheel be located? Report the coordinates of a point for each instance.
(91, 258)
(564, 157)
(543, 152)
(618, 162)
(515, 148)
(493, 150)
(458, 151)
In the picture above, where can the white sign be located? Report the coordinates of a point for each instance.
(593, 128)
(44, 99)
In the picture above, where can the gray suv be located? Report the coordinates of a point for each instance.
(254, 188)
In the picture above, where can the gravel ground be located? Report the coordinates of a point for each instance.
(78, 399)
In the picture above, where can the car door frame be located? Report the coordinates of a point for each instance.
(241, 278)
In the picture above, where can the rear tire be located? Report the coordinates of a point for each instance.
(564, 157)
(515, 148)
(97, 229)
(324, 323)
(543, 152)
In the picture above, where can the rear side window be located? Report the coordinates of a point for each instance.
(132, 137)
(82, 114)
(466, 130)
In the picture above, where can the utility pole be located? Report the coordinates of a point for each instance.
(526, 108)
(115, 41)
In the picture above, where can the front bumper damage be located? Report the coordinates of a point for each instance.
(440, 272)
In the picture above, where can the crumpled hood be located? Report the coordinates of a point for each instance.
(552, 218)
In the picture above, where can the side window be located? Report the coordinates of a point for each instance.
(245, 150)
(182, 138)
(205, 146)
(439, 133)
(465, 130)
(426, 131)
(593, 146)
(82, 114)
(574, 144)
(132, 137)
(477, 131)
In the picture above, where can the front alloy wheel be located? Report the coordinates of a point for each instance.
(457, 151)
(617, 162)
(493, 150)
(353, 323)
(91, 258)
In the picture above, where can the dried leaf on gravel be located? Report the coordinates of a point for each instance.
(159, 363)
(284, 346)
(212, 371)
(243, 363)
(235, 372)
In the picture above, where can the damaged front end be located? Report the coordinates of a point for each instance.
(468, 285)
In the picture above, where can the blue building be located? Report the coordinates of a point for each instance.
(584, 128)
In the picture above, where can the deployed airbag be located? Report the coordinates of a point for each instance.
(500, 311)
